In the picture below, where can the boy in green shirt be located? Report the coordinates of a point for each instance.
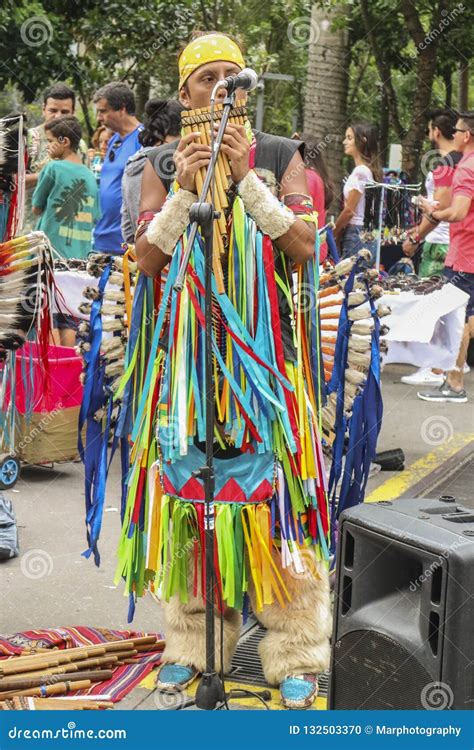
(66, 196)
(67, 202)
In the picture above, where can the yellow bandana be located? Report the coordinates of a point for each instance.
(207, 49)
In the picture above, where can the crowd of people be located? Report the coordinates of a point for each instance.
(120, 148)
(88, 199)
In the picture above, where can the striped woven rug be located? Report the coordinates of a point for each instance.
(124, 678)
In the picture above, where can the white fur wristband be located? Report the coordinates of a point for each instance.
(270, 215)
(168, 225)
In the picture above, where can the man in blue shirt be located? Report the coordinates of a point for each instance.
(115, 106)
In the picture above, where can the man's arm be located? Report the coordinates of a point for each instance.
(298, 242)
(31, 180)
(442, 197)
(350, 206)
(462, 195)
(153, 194)
(457, 211)
(43, 189)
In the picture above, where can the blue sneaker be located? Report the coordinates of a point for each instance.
(298, 691)
(173, 678)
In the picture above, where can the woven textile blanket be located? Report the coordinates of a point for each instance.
(124, 678)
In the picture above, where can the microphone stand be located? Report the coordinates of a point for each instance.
(210, 691)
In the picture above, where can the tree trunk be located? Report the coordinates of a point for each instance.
(84, 101)
(463, 95)
(142, 94)
(448, 88)
(326, 92)
(357, 85)
(425, 72)
(414, 139)
(384, 128)
(383, 68)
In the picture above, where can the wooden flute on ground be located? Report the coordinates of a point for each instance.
(16, 685)
(53, 659)
(25, 703)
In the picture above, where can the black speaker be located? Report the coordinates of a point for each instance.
(404, 607)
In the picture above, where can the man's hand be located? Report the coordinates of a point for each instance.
(237, 148)
(409, 248)
(31, 180)
(189, 157)
(426, 205)
(55, 150)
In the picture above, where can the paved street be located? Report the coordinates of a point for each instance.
(51, 584)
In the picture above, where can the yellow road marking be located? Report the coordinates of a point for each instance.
(320, 703)
(251, 702)
(148, 682)
(403, 480)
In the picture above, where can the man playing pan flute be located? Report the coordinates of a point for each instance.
(271, 516)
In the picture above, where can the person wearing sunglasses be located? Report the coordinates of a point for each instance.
(115, 108)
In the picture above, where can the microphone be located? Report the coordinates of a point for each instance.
(247, 80)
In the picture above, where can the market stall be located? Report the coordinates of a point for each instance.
(425, 330)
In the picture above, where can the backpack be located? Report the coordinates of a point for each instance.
(8, 531)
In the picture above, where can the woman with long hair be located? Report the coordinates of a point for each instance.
(162, 125)
(361, 143)
(320, 185)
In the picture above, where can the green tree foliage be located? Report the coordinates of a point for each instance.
(396, 46)
(87, 44)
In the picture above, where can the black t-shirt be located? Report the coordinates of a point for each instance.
(273, 153)
(272, 156)
(451, 159)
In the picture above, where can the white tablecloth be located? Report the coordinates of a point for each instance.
(425, 330)
(71, 284)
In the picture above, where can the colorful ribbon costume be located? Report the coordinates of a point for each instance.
(270, 476)
(271, 495)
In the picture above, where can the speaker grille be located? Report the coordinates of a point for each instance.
(372, 671)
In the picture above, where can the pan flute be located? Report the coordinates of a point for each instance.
(199, 120)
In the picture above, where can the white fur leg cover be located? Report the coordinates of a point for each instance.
(270, 215)
(298, 635)
(168, 225)
(185, 634)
